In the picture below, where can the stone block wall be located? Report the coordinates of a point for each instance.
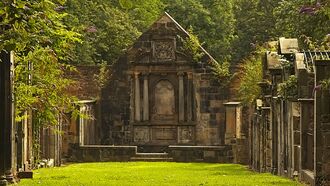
(102, 153)
(115, 106)
(218, 154)
(210, 97)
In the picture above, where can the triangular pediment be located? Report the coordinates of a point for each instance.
(160, 43)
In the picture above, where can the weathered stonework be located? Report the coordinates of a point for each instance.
(157, 96)
(289, 134)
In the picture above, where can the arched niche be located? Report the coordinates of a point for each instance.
(164, 101)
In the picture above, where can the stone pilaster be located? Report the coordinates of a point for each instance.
(132, 98)
(146, 97)
(189, 97)
(137, 98)
(181, 96)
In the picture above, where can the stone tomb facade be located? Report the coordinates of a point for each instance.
(159, 96)
(157, 99)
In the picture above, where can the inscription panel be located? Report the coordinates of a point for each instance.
(164, 104)
(164, 134)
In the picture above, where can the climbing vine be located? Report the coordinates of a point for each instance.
(250, 75)
(325, 84)
(103, 76)
(192, 47)
(288, 88)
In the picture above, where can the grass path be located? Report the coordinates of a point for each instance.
(152, 173)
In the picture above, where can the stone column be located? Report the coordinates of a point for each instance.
(146, 97)
(189, 97)
(7, 128)
(181, 96)
(137, 98)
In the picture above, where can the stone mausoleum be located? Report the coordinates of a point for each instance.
(157, 99)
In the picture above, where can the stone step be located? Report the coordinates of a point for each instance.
(150, 159)
(151, 155)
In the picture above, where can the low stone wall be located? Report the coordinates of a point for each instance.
(102, 153)
(220, 154)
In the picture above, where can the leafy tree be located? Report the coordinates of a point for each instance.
(254, 26)
(35, 32)
(212, 21)
(142, 12)
(106, 31)
(303, 19)
(250, 75)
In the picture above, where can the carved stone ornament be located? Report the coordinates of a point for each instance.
(164, 50)
(141, 134)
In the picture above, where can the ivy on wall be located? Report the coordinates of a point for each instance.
(288, 88)
(192, 47)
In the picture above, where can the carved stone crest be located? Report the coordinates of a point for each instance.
(141, 134)
(164, 50)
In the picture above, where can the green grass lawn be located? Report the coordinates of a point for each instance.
(152, 173)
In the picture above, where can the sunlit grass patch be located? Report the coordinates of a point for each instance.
(152, 173)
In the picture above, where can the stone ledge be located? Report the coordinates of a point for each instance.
(198, 147)
(106, 146)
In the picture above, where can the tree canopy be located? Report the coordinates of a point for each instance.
(49, 35)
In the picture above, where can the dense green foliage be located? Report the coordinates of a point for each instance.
(35, 32)
(152, 173)
(212, 21)
(288, 88)
(304, 20)
(106, 31)
(49, 35)
(250, 75)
